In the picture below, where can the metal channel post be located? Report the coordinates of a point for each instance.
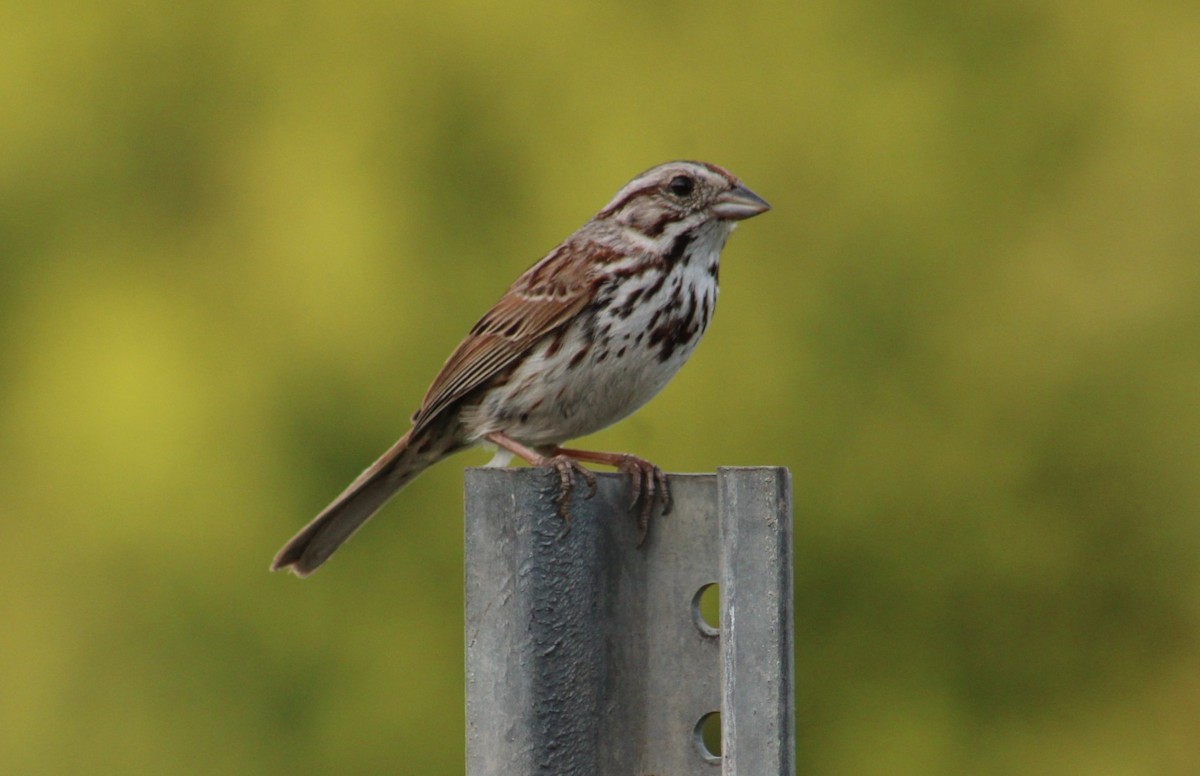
(757, 656)
(588, 655)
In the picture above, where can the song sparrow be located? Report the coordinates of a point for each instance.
(585, 337)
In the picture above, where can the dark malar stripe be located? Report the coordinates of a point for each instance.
(660, 226)
(678, 249)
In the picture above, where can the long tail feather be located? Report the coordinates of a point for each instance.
(318, 540)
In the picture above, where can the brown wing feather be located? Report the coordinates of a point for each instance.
(544, 298)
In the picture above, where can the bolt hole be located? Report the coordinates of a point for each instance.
(706, 609)
(708, 736)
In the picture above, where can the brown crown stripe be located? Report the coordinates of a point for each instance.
(620, 204)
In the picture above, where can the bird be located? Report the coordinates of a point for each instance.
(582, 339)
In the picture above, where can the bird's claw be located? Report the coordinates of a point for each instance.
(648, 484)
(565, 467)
(647, 481)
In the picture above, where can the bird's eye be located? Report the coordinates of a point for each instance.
(681, 185)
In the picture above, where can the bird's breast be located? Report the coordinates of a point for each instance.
(608, 360)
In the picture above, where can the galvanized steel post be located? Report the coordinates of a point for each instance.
(588, 655)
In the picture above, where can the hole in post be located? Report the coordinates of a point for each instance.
(708, 736)
(706, 609)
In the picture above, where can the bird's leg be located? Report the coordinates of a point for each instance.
(562, 463)
(647, 479)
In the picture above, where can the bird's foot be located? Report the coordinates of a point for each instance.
(648, 483)
(566, 468)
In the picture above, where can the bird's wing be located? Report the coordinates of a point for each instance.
(538, 303)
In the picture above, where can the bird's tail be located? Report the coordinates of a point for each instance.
(318, 540)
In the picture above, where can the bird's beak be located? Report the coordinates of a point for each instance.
(739, 203)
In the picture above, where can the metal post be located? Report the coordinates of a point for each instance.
(586, 654)
(757, 679)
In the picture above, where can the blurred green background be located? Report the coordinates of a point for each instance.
(237, 239)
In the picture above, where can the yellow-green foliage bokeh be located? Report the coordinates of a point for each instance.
(238, 238)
